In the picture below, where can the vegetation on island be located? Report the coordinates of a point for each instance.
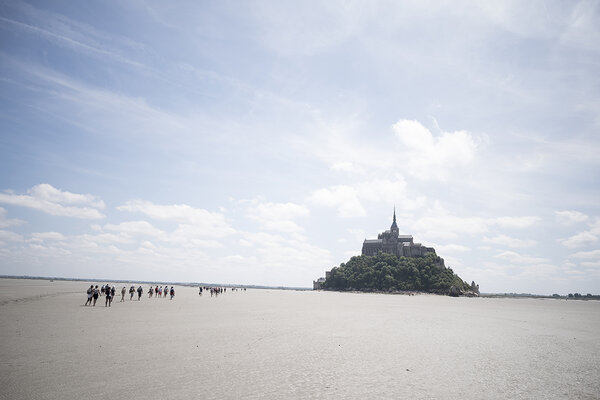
(388, 273)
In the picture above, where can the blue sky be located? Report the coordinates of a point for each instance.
(262, 142)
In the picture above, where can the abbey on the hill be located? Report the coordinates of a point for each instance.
(392, 242)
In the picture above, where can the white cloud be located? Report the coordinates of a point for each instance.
(278, 216)
(358, 234)
(507, 241)
(587, 254)
(570, 217)
(204, 222)
(451, 248)
(591, 264)
(439, 223)
(43, 236)
(387, 191)
(134, 228)
(238, 259)
(147, 244)
(349, 199)
(580, 239)
(48, 199)
(449, 226)
(342, 146)
(279, 211)
(87, 240)
(516, 258)
(517, 222)
(586, 237)
(49, 193)
(8, 236)
(414, 135)
(342, 197)
(279, 255)
(192, 235)
(6, 222)
(282, 226)
(519, 270)
(538, 271)
(433, 157)
(346, 166)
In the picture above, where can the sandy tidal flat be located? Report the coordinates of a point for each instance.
(287, 344)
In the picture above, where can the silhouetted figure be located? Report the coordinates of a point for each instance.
(90, 294)
(109, 297)
(96, 294)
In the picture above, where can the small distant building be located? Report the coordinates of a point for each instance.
(317, 285)
(392, 242)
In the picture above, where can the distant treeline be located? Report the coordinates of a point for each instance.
(386, 272)
(576, 296)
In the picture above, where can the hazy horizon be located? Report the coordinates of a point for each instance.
(262, 286)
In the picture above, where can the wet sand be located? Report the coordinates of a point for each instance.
(289, 344)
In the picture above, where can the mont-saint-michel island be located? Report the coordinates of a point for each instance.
(394, 263)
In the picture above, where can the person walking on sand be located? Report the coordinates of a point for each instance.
(131, 292)
(122, 294)
(109, 297)
(140, 291)
(90, 293)
(172, 292)
(96, 294)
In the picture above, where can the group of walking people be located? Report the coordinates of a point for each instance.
(215, 291)
(160, 292)
(109, 293)
(93, 293)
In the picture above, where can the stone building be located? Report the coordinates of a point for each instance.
(318, 284)
(392, 242)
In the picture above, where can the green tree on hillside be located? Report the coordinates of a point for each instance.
(386, 272)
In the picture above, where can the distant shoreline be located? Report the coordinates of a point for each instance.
(484, 295)
(49, 278)
(536, 296)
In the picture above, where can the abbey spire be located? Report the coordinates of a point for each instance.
(394, 227)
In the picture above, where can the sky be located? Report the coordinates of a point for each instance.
(260, 142)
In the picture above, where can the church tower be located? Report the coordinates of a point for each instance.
(394, 228)
(391, 242)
